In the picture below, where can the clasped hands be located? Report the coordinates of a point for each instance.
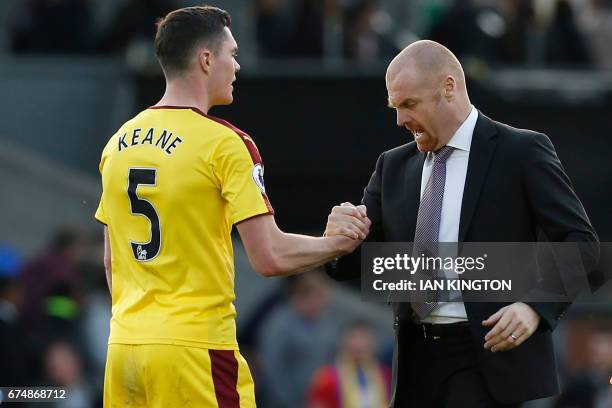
(348, 221)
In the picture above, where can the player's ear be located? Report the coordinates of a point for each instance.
(205, 59)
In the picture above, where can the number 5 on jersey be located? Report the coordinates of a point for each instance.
(144, 251)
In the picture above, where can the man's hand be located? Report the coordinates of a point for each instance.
(348, 220)
(512, 325)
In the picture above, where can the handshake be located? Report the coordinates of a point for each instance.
(347, 227)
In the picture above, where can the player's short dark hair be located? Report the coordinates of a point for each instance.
(182, 30)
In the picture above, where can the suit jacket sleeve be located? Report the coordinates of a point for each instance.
(560, 217)
(349, 266)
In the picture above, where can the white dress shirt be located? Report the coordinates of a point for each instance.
(456, 170)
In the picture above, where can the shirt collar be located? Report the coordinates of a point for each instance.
(462, 139)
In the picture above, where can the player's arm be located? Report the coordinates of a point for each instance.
(273, 252)
(107, 260)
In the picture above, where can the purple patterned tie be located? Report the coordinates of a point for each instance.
(428, 221)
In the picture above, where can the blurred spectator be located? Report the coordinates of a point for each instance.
(290, 28)
(580, 392)
(131, 35)
(57, 267)
(64, 368)
(356, 379)
(595, 21)
(519, 16)
(134, 23)
(599, 351)
(469, 30)
(273, 27)
(96, 326)
(250, 332)
(604, 399)
(565, 44)
(296, 340)
(13, 353)
(54, 26)
(307, 36)
(61, 319)
(10, 263)
(590, 388)
(365, 26)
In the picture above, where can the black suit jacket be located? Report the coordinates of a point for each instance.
(516, 190)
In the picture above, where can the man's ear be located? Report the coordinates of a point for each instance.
(449, 87)
(205, 59)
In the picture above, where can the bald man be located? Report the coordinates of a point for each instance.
(464, 178)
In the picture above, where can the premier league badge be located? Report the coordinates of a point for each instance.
(258, 177)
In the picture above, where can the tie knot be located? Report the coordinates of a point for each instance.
(442, 154)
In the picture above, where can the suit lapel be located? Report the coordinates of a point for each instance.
(482, 149)
(414, 172)
(412, 190)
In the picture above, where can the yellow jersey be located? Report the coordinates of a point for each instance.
(174, 182)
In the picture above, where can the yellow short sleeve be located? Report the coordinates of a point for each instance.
(100, 214)
(240, 172)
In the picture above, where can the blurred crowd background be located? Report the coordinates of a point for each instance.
(311, 93)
